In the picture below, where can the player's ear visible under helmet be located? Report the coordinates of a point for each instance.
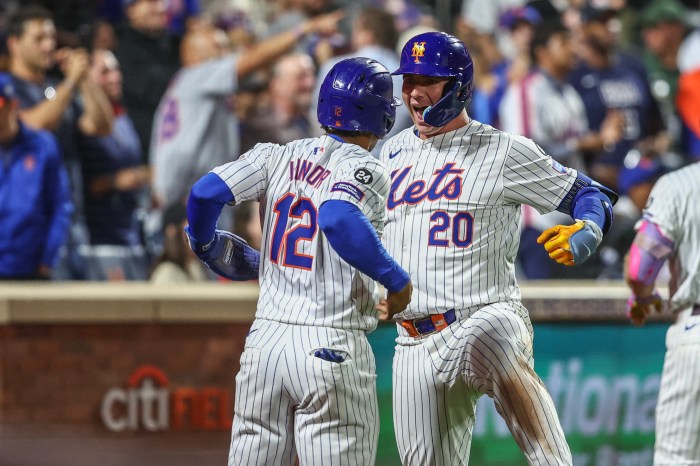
(357, 95)
(440, 55)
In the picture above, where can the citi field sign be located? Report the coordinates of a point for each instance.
(149, 403)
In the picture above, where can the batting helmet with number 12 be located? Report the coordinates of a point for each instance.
(357, 95)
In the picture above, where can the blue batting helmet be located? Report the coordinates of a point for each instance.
(357, 95)
(441, 55)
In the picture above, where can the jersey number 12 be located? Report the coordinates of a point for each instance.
(283, 248)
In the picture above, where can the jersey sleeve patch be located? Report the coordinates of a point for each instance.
(349, 189)
(364, 176)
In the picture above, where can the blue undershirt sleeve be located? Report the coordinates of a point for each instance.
(208, 197)
(352, 236)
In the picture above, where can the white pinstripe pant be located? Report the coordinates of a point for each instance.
(678, 407)
(438, 379)
(291, 403)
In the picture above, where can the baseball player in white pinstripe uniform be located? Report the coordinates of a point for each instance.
(306, 386)
(453, 222)
(670, 229)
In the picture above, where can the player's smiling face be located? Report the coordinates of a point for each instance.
(419, 92)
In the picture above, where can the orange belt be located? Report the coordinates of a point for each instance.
(428, 325)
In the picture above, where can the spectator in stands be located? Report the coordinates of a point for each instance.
(642, 169)
(114, 178)
(182, 15)
(52, 104)
(195, 128)
(627, 56)
(177, 263)
(148, 55)
(546, 109)
(688, 98)
(74, 20)
(103, 36)
(521, 24)
(374, 35)
(35, 204)
(238, 27)
(663, 30)
(298, 12)
(607, 87)
(490, 75)
(484, 15)
(44, 102)
(285, 116)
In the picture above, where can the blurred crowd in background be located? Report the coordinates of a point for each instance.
(143, 97)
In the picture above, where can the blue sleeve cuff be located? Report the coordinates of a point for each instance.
(352, 236)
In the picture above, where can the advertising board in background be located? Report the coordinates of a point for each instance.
(604, 379)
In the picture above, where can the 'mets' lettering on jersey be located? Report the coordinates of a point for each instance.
(446, 182)
(300, 169)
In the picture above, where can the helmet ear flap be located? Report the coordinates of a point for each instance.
(464, 92)
(455, 97)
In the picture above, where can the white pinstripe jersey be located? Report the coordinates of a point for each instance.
(454, 212)
(673, 206)
(302, 279)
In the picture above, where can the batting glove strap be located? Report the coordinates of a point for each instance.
(198, 247)
(585, 241)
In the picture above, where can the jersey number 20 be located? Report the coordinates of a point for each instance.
(283, 249)
(462, 224)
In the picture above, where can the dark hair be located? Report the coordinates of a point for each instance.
(382, 25)
(543, 33)
(17, 22)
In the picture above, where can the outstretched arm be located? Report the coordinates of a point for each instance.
(352, 236)
(590, 204)
(263, 53)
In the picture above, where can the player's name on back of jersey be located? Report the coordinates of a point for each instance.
(305, 170)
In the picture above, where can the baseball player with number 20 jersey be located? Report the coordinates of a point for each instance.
(670, 229)
(453, 222)
(306, 387)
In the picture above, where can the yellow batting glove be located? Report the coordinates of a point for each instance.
(571, 244)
